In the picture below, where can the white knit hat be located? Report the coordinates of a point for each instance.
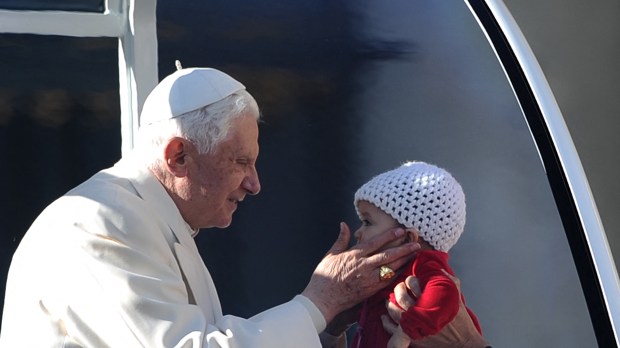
(420, 196)
(186, 90)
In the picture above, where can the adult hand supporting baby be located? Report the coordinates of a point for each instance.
(461, 332)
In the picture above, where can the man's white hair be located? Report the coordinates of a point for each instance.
(205, 127)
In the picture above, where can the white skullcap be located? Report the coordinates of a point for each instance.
(186, 90)
(420, 196)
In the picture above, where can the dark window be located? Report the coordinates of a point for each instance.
(59, 123)
(370, 86)
(56, 5)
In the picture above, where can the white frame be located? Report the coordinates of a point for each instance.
(133, 22)
(571, 164)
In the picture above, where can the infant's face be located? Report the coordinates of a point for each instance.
(374, 222)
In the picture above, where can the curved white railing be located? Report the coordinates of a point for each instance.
(573, 170)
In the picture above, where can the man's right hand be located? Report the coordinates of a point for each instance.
(345, 277)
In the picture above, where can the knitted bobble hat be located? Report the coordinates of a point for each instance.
(420, 196)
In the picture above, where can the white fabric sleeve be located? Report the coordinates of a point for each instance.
(293, 324)
(317, 317)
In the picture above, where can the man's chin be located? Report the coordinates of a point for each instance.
(224, 223)
(222, 219)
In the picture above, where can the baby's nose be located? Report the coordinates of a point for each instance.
(358, 235)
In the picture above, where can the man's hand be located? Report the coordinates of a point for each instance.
(345, 277)
(460, 332)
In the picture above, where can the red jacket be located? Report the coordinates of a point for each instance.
(435, 308)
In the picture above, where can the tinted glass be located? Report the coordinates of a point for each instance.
(59, 123)
(56, 5)
(348, 91)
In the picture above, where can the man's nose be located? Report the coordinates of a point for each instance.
(251, 183)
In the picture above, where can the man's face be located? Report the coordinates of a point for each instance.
(218, 181)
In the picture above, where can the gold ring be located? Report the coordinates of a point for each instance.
(386, 273)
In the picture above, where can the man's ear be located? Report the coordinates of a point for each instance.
(176, 156)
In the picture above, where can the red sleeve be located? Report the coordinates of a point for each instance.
(438, 304)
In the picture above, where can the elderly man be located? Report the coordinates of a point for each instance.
(113, 263)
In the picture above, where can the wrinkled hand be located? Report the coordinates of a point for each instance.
(345, 276)
(460, 332)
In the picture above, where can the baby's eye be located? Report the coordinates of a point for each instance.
(365, 222)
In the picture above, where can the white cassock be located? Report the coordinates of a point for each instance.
(113, 264)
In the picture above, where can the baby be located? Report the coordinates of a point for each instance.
(430, 205)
